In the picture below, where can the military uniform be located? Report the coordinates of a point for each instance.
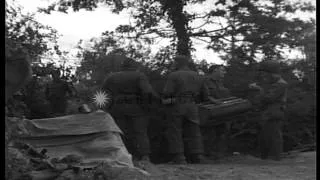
(183, 133)
(272, 102)
(218, 91)
(130, 91)
(216, 88)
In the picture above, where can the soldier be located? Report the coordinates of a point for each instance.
(56, 93)
(184, 87)
(271, 100)
(128, 89)
(214, 82)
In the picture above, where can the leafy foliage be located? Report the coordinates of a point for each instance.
(24, 36)
(106, 55)
(251, 27)
(24, 33)
(259, 27)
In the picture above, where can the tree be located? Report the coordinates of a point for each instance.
(25, 40)
(257, 28)
(106, 55)
(252, 26)
(240, 30)
(24, 34)
(309, 48)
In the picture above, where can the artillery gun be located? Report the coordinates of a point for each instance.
(213, 114)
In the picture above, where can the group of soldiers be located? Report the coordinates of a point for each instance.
(183, 90)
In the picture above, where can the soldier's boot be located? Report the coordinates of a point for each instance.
(198, 159)
(178, 159)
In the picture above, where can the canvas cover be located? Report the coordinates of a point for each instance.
(77, 124)
(94, 136)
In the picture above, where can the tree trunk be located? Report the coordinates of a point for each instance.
(180, 24)
(233, 54)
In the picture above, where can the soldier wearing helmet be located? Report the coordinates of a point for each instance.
(185, 87)
(128, 88)
(214, 82)
(217, 91)
(271, 101)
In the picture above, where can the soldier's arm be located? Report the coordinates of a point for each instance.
(47, 90)
(274, 94)
(67, 87)
(106, 83)
(226, 91)
(169, 90)
(254, 86)
(204, 92)
(211, 93)
(70, 89)
(146, 87)
(214, 100)
(169, 87)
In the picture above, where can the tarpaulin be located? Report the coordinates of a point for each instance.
(95, 137)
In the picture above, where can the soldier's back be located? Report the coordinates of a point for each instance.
(124, 82)
(187, 82)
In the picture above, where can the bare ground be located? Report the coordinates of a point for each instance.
(300, 166)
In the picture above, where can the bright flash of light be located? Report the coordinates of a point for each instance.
(101, 98)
